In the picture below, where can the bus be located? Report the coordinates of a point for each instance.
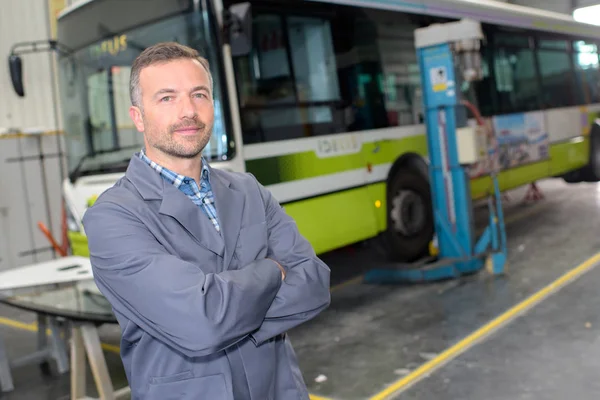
(321, 102)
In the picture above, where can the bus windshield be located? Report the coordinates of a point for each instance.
(94, 86)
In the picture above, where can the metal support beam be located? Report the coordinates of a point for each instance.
(6, 382)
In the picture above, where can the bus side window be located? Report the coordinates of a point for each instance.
(264, 76)
(587, 71)
(308, 74)
(399, 80)
(557, 75)
(515, 73)
(288, 84)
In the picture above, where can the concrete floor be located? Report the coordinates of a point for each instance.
(373, 335)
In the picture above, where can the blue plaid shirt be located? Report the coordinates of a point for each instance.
(201, 196)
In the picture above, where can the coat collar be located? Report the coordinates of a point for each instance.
(229, 203)
(151, 185)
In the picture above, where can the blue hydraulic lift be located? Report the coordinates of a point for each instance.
(449, 55)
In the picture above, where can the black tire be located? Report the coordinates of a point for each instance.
(591, 172)
(410, 225)
(572, 176)
(45, 368)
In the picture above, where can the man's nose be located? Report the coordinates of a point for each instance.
(187, 108)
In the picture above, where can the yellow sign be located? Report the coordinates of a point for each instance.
(440, 87)
(439, 78)
(111, 46)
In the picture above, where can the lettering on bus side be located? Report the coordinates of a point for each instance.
(338, 145)
(112, 46)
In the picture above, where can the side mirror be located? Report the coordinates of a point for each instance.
(16, 74)
(238, 24)
(15, 64)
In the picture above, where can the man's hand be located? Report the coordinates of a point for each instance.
(281, 268)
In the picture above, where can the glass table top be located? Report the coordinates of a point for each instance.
(80, 301)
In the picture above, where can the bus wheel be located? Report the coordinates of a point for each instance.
(409, 216)
(591, 172)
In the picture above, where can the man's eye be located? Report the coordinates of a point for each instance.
(200, 95)
(166, 98)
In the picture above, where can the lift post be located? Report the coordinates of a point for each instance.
(449, 56)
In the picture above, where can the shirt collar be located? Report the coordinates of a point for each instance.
(175, 178)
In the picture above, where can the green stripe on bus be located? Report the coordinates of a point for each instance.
(291, 167)
(331, 221)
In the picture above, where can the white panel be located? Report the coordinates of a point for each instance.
(293, 146)
(63, 270)
(564, 123)
(26, 20)
(298, 189)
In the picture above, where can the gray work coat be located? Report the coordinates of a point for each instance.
(203, 315)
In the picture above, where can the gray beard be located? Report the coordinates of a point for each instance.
(172, 148)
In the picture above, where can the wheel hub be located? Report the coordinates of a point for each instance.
(408, 213)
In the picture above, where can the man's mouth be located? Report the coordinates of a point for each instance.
(187, 131)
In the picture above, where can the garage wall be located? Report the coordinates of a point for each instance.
(26, 20)
(30, 187)
(30, 173)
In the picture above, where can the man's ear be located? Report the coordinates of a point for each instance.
(136, 116)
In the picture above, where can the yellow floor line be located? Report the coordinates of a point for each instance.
(352, 281)
(18, 325)
(313, 397)
(486, 330)
(111, 348)
(33, 328)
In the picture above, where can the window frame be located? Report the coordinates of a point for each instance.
(283, 13)
(577, 100)
(490, 32)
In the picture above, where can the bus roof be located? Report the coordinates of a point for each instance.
(489, 11)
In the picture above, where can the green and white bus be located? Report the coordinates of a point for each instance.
(324, 104)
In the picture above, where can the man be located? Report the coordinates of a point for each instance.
(203, 268)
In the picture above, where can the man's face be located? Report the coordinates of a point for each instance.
(177, 108)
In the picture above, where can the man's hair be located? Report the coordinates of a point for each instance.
(161, 53)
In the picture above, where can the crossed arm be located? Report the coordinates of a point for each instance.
(305, 291)
(196, 312)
